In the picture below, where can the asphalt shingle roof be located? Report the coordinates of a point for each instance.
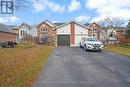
(5, 28)
(58, 24)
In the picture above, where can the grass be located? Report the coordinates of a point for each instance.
(120, 49)
(20, 66)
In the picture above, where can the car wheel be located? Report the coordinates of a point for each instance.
(14, 46)
(80, 46)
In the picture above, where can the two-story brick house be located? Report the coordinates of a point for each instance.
(45, 32)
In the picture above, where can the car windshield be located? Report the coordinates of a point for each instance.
(91, 39)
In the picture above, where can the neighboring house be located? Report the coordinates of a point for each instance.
(24, 30)
(112, 34)
(106, 33)
(70, 34)
(45, 32)
(7, 35)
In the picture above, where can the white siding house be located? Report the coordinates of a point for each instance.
(24, 30)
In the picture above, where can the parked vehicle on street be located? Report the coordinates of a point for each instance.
(91, 43)
(5, 44)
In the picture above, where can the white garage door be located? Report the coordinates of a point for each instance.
(78, 38)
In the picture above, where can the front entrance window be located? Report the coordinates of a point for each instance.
(93, 35)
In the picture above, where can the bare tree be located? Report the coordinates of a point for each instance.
(109, 25)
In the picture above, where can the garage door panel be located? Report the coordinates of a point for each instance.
(63, 40)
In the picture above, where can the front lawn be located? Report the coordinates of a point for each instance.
(120, 49)
(20, 66)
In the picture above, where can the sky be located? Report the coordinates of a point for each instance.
(84, 11)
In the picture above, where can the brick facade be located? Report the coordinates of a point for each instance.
(45, 31)
(6, 36)
(72, 35)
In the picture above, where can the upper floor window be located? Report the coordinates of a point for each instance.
(44, 30)
(94, 29)
(21, 33)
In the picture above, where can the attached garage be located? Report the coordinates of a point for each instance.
(70, 34)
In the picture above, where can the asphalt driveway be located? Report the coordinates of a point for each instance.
(72, 67)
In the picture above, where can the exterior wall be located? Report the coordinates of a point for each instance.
(79, 33)
(89, 32)
(33, 32)
(7, 36)
(80, 30)
(17, 32)
(64, 30)
(41, 33)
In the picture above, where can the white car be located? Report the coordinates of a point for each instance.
(91, 43)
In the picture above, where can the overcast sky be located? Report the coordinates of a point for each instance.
(83, 11)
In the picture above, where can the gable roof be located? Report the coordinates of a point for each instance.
(47, 22)
(50, 23)
(24, 24)
(94, 23)
(71, 22)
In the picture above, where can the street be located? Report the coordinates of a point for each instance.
(73, 67)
